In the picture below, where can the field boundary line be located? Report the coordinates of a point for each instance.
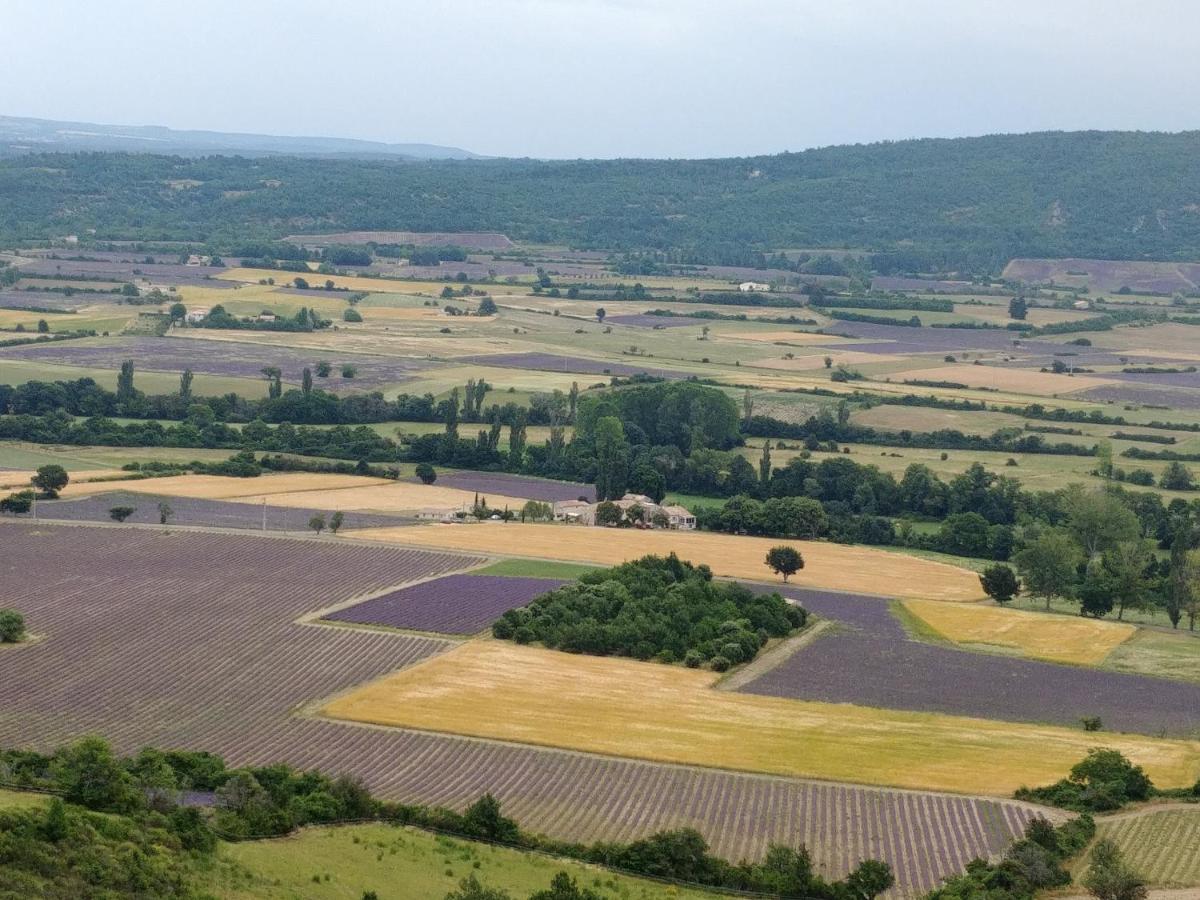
(775, 657)
(1048, 812)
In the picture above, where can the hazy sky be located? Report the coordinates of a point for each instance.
(587, 78)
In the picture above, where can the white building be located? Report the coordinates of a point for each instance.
(194, 316)
(747, 287)
(581, 513)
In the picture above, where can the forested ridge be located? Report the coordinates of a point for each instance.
(967, 202)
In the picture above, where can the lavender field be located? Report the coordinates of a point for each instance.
(206, 653)
(46, 300)
(504, 484)
(453, 604)
(1164, 397)
(206, 513)
(551, 362)
(904, 339)
(225, 358)
(874, 662)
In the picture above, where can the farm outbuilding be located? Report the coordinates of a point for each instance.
(747, 287)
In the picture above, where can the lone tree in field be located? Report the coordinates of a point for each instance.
(784, 560)
(1108, 877)
(317, 523)
(426, 472)
(487, 307)
(1000, 583)
(164, 513)
(50, 480)
(335, 521)
(121, 513)
(1017, 308)
(601, 312)
(12, 626)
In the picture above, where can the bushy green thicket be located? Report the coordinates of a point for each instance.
(1032, 864)
(655, 607)
(1102, 781)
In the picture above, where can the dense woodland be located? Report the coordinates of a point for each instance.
(968, 203)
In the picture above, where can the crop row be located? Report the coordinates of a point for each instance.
(191, 639)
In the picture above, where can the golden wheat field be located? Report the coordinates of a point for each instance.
(1067, 639)
(493, 689)
(382, 497)
(833, 566)
(221, 487)
(1023, 381)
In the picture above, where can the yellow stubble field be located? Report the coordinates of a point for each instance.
(831, 566)
(1066, 639)
(497, 690)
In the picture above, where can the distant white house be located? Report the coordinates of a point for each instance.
(266, 316)
(1083, 304)
(196, 260)
(747, 287)
(196, 315)
(580, 512)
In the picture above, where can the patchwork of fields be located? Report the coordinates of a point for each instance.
(872, 661)
(207, 654)
(833, 566)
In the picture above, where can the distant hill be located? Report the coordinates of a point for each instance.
(44, 135)
(921, 205)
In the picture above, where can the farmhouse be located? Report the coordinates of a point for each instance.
(747, 287)
(653, 514)
(196, 315)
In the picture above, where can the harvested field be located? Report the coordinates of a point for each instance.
(1022, 381)
(500, 483)
(206, 513)
(671, 714)
(924, 285)
(833, 566)
(220, 357)
(1065, 639)
(223, 487)
(554, 363)
(874, 662)
(390, 497)
(454, 604)
(205, 655)
(1163, 846)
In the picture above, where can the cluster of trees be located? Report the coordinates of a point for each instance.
(1033, 864)
(1097, 550)
(146, 843)
(12, 626)
(660, 608)
(1102, 781)
(832, 425)
(305, 319)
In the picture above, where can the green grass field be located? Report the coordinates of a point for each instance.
(341, 863)
(535, 568)
(22, 799)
